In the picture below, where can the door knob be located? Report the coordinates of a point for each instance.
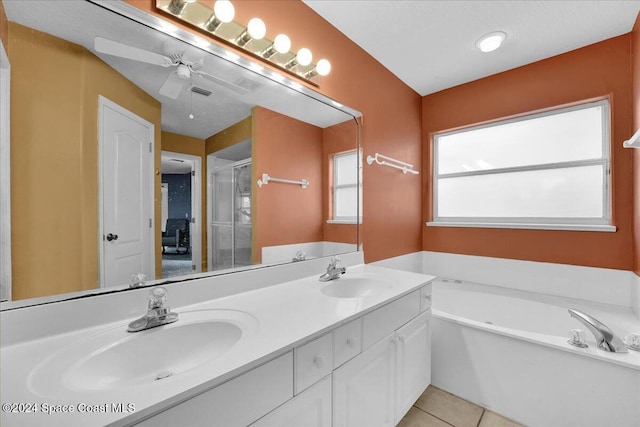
(111, 237)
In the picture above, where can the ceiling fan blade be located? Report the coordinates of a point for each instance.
(192, 57)
(234, 87)
(129, 52)
(172, 86)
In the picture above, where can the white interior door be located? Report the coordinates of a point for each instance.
(126, 226)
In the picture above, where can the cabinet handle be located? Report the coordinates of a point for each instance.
(351, 342)
(319, 362)
(427, 297)
(402, 338)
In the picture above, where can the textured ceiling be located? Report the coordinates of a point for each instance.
(430, 45)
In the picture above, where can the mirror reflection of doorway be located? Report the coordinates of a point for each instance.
(230, 207)
(180, 222)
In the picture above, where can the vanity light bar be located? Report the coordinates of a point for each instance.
(219, 23)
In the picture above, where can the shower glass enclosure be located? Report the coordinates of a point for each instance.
(231, 216)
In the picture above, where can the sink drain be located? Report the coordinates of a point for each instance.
(163, 375)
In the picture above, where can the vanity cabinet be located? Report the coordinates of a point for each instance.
(311, 408)
(413, 362)
(364, 388)
(365, 373)
(377, 388)
(312, 361)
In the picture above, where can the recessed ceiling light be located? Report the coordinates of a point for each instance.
(491, 41)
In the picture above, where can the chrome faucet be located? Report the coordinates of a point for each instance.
(158, 313)
(300, 256)
(605, 338)
(334, 271)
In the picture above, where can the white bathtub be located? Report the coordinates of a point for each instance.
(507, 350)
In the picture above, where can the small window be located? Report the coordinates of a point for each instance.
(347, 188)
(545, 170)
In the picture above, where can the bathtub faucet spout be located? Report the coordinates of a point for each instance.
(605, 338)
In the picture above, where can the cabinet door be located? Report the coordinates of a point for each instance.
(311, 408)
(364, 388)
(413, 362)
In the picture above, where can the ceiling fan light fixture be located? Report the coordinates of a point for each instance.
(183, 72)
(492, 41)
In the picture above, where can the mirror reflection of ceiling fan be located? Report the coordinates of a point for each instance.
(187, 62)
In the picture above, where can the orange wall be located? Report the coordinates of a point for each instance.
(635, 56)
(602, 69)
(54, 157)
(284, 213)
(392, 124)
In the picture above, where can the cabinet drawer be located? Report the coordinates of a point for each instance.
(312, 362)
(238, 402)
(388, 318)
(425, 298)
(347, 341)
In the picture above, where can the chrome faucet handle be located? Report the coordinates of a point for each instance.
(300, 256)
(335, 261)
(137, 280)
(605, 338)
(157, 298)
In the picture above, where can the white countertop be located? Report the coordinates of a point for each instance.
(287, 315)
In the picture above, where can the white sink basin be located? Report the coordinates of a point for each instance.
(354, 287)
(116, 359)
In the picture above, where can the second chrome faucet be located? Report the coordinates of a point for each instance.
(334, 270)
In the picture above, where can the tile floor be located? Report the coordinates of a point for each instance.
(437, 408)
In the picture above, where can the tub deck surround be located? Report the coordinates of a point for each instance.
(604, 285)
(537, 318)
(287, 314)
(521, 366)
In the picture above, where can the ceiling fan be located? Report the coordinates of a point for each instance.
(186, 62)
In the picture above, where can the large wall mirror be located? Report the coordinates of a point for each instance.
(142, 149)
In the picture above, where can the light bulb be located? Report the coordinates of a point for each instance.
(282, 43)
(224, 10)
(491, 41)
(304, 57)
(191, 116)
(323, 67)
(256, 28)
